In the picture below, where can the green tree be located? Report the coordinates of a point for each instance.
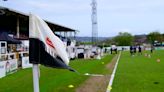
(154, 36)
(163, 37)
(124, 39)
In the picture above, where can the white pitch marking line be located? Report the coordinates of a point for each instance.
(113, 75)
(87, 74)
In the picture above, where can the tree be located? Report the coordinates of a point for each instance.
(154, 36)
(124, 39)
(163, 37)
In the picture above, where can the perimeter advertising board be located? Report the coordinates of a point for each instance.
(26, 63)
(11, 66)
(2, 69)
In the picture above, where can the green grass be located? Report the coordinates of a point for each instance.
(54, 80)
(140, 73)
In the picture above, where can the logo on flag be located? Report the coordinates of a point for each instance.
(49, 42)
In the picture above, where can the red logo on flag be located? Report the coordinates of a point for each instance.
(49, 42)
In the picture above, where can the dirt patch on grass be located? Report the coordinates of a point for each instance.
(111, 65)
(98, 83)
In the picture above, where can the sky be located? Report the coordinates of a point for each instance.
(114, 16)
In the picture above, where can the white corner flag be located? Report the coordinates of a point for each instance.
(45, 47)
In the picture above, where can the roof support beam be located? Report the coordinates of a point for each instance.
(18, 29)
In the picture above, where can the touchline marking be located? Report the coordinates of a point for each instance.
(113, 74)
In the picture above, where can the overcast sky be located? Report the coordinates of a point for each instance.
(134, 16)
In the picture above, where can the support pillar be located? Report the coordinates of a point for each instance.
(18, 29)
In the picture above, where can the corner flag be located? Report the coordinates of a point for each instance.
(46, 48)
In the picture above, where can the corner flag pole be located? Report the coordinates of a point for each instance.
(36, 77)
(33, 52)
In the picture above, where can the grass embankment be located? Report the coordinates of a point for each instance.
(54, 80)
(140, 73)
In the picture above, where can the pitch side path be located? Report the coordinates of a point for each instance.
(140, 73)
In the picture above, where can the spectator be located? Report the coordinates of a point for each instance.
(134, 49)
(131, 50)
(139, 50)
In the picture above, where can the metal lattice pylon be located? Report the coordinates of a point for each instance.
(94, 22)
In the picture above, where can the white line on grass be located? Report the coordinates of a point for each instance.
(113, 74)
(88, 74)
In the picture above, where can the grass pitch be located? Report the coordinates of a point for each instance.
(140, 73)
(55, 80)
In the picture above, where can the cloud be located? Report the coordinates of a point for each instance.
(60, 7)
(134, 16)
(130, 6)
